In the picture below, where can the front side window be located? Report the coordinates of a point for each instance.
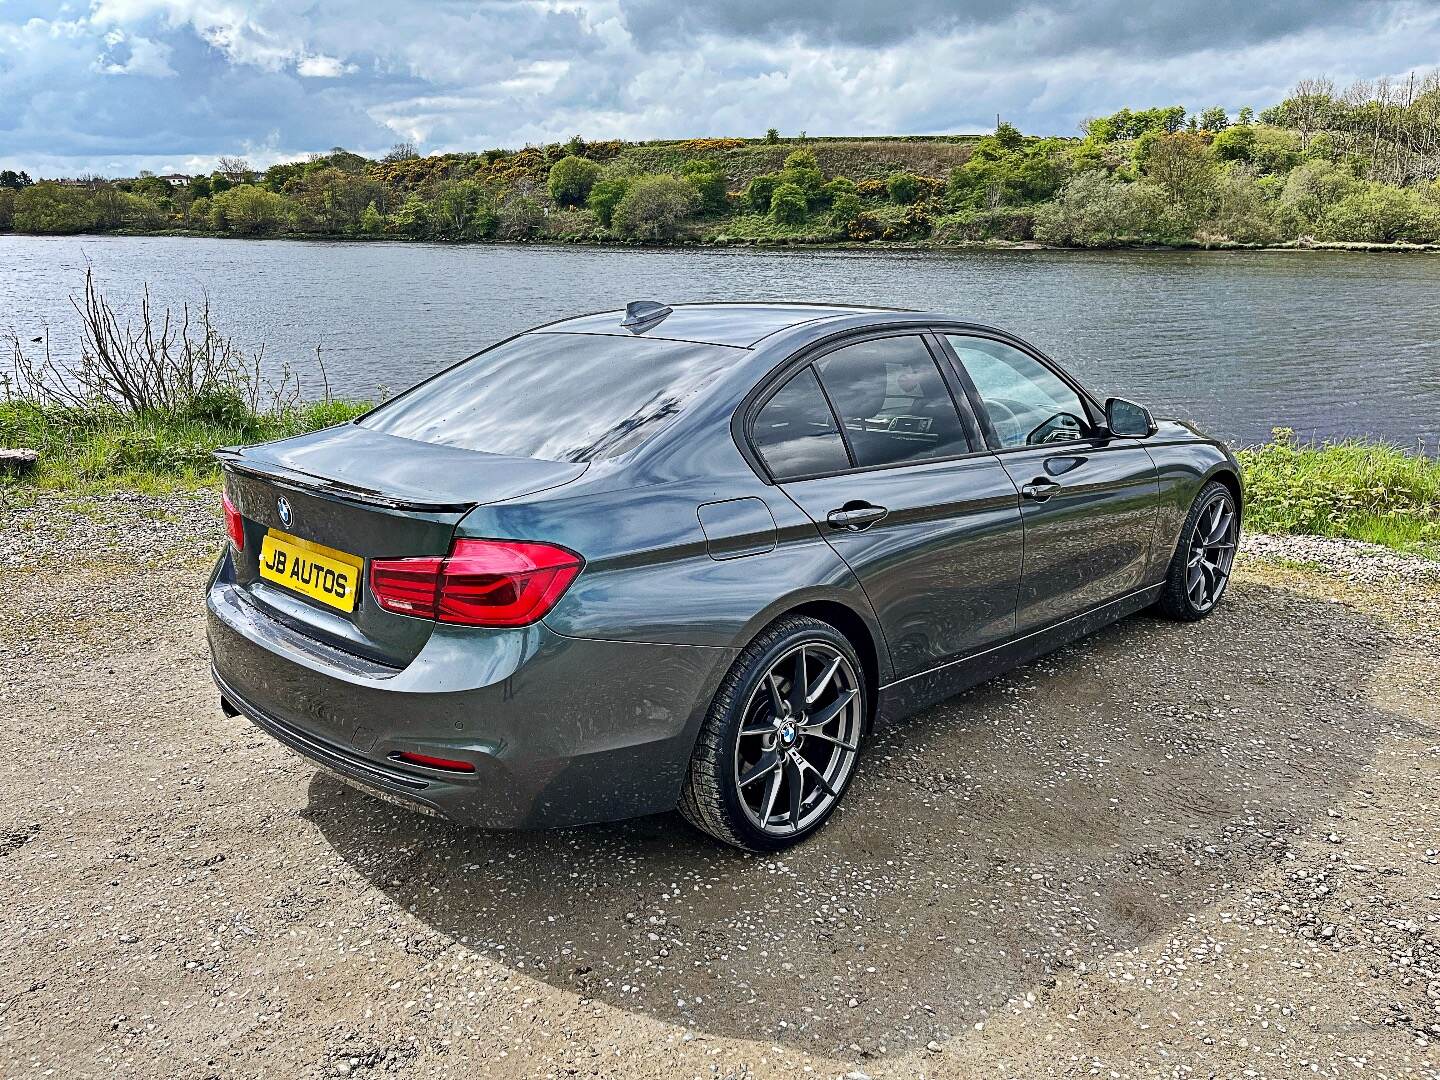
(795, 431)
(1028, 404)
(893, 401)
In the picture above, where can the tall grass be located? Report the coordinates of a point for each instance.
(1362, 490)
(148, 400)
(99, 449)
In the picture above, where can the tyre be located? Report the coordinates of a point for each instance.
(782, 738)
(1200, 567)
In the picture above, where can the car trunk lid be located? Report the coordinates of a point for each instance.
(317, 508)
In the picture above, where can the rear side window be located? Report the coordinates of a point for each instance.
(795, 432)
(893, 402)
(557, 397)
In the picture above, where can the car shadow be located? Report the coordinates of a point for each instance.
(1081, 806)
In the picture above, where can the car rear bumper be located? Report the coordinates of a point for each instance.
(560, 730)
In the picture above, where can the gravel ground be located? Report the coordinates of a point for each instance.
(1202, 850)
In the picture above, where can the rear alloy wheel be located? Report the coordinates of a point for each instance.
(782, 738)
(1200, 568)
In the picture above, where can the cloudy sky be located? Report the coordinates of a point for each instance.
(114, 86)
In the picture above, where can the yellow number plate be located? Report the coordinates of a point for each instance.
(313, 570)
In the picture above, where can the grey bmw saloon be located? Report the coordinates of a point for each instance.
(688, 556)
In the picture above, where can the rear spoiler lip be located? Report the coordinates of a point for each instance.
(232, 459)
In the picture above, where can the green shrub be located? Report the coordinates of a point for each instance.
(802, 160)
(52, 209)
(1276, 150)
(518, 217)
(571, 179)
(1001, 173)
(654, 206)
(248, 210)
(708, 179)
(412, 218)
(772, 135)
(788, 206)
(802, 170)
(1132, 123)
(760, 191)
(1381, 214)
(372, 223)
(219, 405)
(141, 212)
(1310, 190)
(902, 187)
(1234, 144)
(605, 196)
(1094, 210)
(845, 207)
(463, 210)
(1240, 211)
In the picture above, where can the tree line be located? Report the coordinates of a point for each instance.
(1358, 165)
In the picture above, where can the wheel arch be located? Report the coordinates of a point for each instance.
(1228, 476)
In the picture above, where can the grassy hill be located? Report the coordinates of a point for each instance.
(1359, 168)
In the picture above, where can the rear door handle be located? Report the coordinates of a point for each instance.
(855, 516)
(1040, 489)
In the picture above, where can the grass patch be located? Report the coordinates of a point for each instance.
(151, 396)
(1362, 490)
(764, 229)
(101, 449)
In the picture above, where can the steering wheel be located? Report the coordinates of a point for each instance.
(1005, 418)
(1058, 427)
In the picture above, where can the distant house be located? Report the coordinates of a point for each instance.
(175, 179)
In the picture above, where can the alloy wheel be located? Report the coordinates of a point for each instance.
(1212, 552)
(798, 739)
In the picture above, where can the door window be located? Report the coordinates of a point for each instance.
(893, 402)
(795, 432)
(1028, 404)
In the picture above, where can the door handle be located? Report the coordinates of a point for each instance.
(1039, 489)
(855, 516)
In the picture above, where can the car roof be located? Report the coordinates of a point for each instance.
(737, 325)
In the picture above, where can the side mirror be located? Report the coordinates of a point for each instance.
(1126, 420)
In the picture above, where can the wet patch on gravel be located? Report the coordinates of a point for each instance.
(1206, 849)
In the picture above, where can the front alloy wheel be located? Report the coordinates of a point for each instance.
(1200, 568)
(782, 738)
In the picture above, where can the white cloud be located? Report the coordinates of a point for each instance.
(164, 84)
(135, 55)
(322, 67)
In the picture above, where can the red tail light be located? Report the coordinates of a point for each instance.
(480, 583)
(234, 523)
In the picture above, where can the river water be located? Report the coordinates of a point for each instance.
(1328, 343)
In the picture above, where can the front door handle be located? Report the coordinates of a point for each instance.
(855, 516)
(1040, 489)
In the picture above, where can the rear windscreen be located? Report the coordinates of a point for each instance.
(558, 397)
